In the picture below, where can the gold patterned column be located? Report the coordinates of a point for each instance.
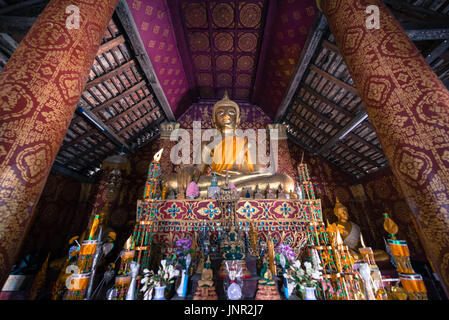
(39, 89)
(409, 108)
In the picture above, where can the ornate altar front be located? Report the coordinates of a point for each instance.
(283, 219)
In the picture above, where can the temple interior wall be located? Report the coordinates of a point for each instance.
(65, 206)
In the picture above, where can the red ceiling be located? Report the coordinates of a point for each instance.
(198, 48)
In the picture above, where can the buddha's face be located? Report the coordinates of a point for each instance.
(226, 117)
(342, 214)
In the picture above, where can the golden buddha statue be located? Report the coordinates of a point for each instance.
(205, 289)
(231, 155)
(350, 233)
(206, 275)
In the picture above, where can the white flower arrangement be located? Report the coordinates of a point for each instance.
(303, 277)
(165, 276)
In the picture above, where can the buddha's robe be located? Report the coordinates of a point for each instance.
(232, 154)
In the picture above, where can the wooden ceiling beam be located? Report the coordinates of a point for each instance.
(311, 44)
(351, 125)
(438, 51)
(355, 137)
(140, 121)
(78, 139)
(16, 25)
(418, 33)
(21, 5)
(302, 132)
(115, 99)
(415, 12)
(359, 155)
(131, 109)
(310, 125)
(105, 129)
(335, 155)
(333, 79)
(111, 44)
(326, 101)
(115, 72)
(316, 113)
(89, 150)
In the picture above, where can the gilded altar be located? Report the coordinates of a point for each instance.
(283, 219)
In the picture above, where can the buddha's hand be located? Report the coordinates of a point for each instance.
(186, 175)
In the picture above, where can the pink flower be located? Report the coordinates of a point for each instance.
(192, 190)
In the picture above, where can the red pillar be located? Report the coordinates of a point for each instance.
(409, 108)
(39, 89)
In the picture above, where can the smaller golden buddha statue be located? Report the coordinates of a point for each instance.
(206, 275)
(206, 289)
(267, 289)
(350, 233)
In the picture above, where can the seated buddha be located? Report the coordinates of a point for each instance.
(350, 233)
(206, 275)
(230, 155)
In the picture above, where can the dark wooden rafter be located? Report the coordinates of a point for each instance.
(334, 79)
(416, 12)
(309, 123)
(113, 73)
(105, 129)
(57, 168)
(326, 101)
(295, 116)
(21, 5)
(111, 44)
(152, 123)
(344, 131)
(117, 98)
(143, 102)
(16, 25)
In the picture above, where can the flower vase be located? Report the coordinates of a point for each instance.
(181, 291)
(159, 293)
(309, 293)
